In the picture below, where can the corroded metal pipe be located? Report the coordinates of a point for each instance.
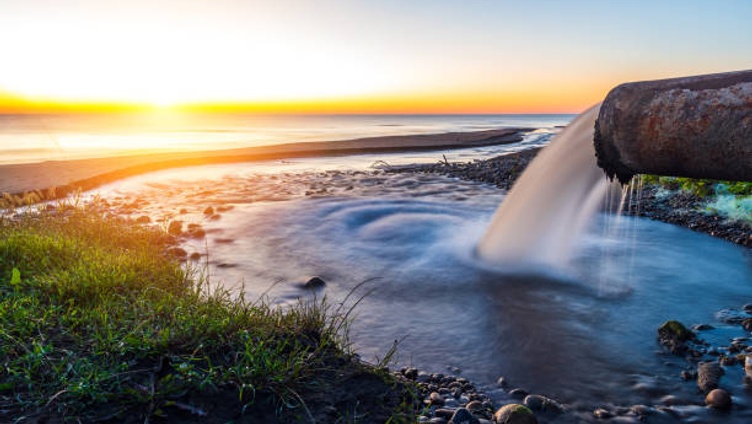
(697, 127)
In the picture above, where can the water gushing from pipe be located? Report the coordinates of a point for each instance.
(548, 207)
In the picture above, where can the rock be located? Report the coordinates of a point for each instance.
(143, 219)
(411, 373)
(748, 307)
(518, 393)
(177, 252)
(702, 327)
(674, 336)
(463, 416)
(183, 211)
(708, 375)
(195, 256)
(209, 211)
(314, 283)
(436, 399)
(195, 231)
(175, 228)
(444, 413)
(542, 403)
(475, 405)
(534, 402)
(602, 414)
(748, 365)
(514, 413)
(502, 382)
(451, 402)
(728, 361)
(642, 410)
(718, 399)
(747, 324)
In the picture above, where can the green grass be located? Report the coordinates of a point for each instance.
(98, 322)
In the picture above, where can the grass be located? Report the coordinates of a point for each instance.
(98, 322)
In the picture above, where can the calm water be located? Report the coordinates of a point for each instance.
(34, 138)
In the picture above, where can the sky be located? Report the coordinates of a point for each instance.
(356, 56)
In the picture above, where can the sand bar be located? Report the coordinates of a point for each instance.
(85, 174)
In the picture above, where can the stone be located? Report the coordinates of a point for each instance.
(411, 373)
(602, 414)
(718, 399)
(436, 399)
(314, 283)
(475, 405)
(728, 361)
(703, 327)
(463, 416)
(195, 256)
(708, 375)
(747, 324)
(542, 403)
(514, 413)
(502, 382)
(748, 365)
(175, 228)
(748, 307)
(143, 219)
(444, 413)
(209, 211)
(674, 336)
(534, 402)
(177, 252)
(518, 393)
(451, 402)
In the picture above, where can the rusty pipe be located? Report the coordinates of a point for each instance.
(697, 127)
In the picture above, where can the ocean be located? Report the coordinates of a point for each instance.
(38, 138)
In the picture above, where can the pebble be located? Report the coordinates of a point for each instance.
(602, 414)
(518, 393)
(463, 416)
(475, 405)
(436, 399)
(718, 399)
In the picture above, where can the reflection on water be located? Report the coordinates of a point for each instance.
(586, 334)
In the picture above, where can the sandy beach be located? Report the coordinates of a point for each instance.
(85, 174)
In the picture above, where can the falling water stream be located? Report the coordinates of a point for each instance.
(551, 202)
(580, 329)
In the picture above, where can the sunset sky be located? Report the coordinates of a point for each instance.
(356, 56)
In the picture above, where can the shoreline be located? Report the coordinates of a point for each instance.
(55, 179)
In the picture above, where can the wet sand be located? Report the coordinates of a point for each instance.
(85, 174)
